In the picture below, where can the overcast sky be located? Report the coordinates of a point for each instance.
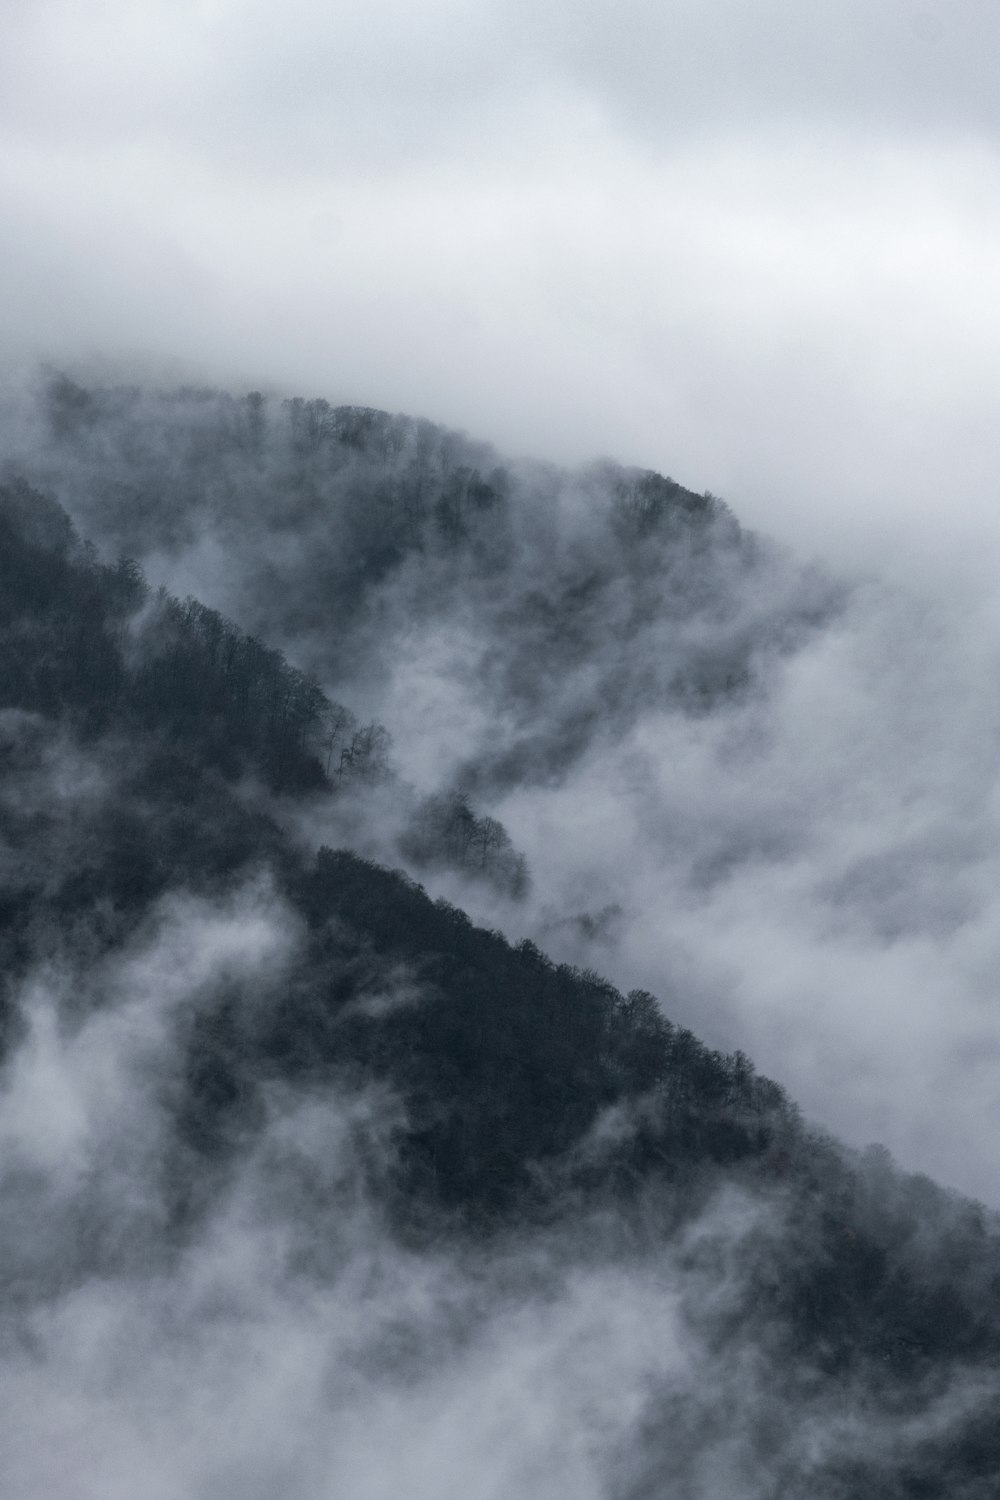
(752, 245)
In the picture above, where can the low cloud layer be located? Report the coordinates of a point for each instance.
(815, 876)
(765, 792)
(809, 873)
(307, 1186)
(290, 1343)
(755, 250)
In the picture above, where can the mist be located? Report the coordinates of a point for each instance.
(286, 1339)
(777, 778)
(757, 252)
(494, 496)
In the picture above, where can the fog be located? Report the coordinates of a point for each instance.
(756, 251)
(289, 1342)
(822, 876)
(809, 874)
(776, 781)
(750, 768)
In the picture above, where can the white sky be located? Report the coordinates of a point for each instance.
(751, 245)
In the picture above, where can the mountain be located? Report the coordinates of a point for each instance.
(311, 1183)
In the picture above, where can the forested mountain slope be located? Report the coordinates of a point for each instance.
(593, 710)
(371, 543)
(312, 1185)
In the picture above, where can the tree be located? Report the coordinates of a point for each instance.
(366, 755)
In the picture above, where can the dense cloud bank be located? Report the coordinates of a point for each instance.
(753, 245)
(310, 1184)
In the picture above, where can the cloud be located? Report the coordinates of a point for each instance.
(811, 874)
(278, 1336)
(233, 79)
(285, 1340)
(801, 866)
(752, 249)
(584, 1354)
